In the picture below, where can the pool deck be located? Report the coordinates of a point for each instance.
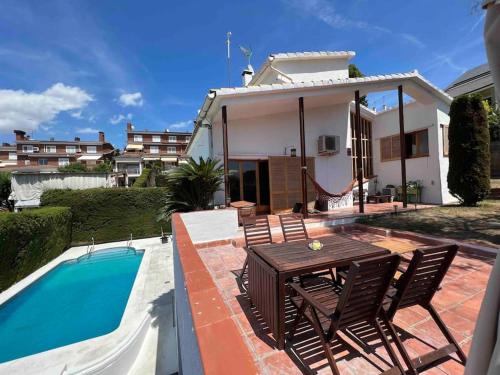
(144, 342)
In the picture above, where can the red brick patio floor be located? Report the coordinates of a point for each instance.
(458, 302)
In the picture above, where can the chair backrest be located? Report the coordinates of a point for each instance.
(421, 280)
(257, 231)
(293, 227)
(364, 291)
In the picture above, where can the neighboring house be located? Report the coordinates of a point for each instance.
(50, 154)
(477, 80)
(262, 132)
(146, 147)
(8, 155)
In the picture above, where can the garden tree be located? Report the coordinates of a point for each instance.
(103, 167)
(73, 168)
(354, 72)
(191, 186)
(469, 150)
(5, 189)
(493, 121)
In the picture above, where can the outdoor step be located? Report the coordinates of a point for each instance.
(494, 193)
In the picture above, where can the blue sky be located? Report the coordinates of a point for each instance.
(70, 68)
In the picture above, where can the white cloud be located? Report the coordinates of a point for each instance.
(180, 124)
(326, 12)
(119, 118)
(77, 115)
(27, 110)
(87, 130)
(131, 99)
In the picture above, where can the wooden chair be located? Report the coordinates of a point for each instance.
(293, 227)
(330, 308)
(257, 232)
(417, 286)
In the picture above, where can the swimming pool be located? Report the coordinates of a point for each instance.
(77, 300)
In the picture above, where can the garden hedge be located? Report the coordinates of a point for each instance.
(31, 239)
(111, 214)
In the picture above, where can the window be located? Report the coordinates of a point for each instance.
(417, 144)
(154, 149)
(50, 149)
(28, 148)
(27, 162)
(43, 161)
(12, 156)
(171, 150)
(137, 138)
(71, 149)
(156, 138)
(187, 139)
(172, 138)
(63, 161)
(91, 149)
(446, 143)
(366, 146)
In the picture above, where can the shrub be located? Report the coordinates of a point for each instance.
(191, 186)
(143, 180)
(31, 239)
(469, 150)
(103, 167)
(5, 189)
(111, 214)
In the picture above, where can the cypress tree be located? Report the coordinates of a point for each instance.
(469, 150)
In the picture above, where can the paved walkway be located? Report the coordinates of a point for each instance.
(458, 303)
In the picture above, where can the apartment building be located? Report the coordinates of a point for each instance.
(145, 147)
(51, 154)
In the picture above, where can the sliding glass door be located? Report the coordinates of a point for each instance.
(249, 181)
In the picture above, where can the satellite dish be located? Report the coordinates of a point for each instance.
(247, 51)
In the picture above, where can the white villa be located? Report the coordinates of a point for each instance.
(256, 128)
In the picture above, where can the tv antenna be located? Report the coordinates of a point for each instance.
(247, 51)
(228, 42)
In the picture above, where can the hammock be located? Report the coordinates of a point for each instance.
(324, 195)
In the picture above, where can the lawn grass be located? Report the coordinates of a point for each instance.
(479, 225)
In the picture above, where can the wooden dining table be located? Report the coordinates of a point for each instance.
(271, 266)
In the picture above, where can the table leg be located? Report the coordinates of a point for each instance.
(281, 311)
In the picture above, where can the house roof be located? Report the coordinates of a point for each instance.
(291, 56)
(470, 75)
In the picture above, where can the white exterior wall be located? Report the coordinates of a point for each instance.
(430, 170)
(264, 136)
(314, 70)
(444, 161)
(201, 144)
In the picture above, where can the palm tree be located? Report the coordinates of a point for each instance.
(191, 186)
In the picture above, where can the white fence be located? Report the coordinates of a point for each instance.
(27, 188)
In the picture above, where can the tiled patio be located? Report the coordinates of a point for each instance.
(458, 303)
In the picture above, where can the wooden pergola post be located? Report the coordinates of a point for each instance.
(402, 146)
(226, 156)
(303, 165)
(359, 152)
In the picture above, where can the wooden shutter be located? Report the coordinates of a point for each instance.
(446, 143)
(285, 182)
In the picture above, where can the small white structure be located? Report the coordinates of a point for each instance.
(28, 187)
(263, 134)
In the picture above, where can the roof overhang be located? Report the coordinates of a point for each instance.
(134, 147)
(169, 159)
(90, 157)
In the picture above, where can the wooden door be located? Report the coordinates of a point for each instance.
(285, 182)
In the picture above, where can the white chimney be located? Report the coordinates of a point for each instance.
(247, 75)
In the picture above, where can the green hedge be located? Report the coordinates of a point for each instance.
(111, 214)
(31, 239)
(143, 179)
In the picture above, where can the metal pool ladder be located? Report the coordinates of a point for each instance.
(91, 247)
(129, 242)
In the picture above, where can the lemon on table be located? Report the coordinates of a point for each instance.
(316, 245)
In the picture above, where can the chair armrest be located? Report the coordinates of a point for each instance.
(310, 299)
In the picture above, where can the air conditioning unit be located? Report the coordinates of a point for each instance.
(328, 144)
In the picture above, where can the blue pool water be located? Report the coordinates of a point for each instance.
(77, 300)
